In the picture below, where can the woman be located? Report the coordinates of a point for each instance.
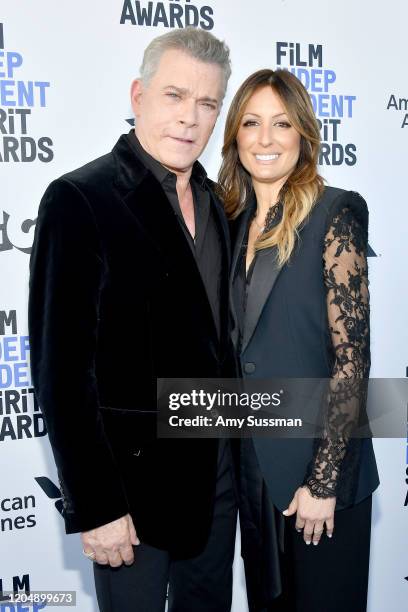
(301, 306)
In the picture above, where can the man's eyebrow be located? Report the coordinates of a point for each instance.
(183, 91)
(255, 115)
(208, 99)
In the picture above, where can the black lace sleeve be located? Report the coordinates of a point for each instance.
(333, 471)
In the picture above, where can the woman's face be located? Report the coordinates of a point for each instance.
(268, 145)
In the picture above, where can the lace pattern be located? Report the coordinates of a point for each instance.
(333, 470)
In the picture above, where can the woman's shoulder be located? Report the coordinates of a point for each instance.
(335, 201)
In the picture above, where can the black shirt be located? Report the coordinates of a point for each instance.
(206, 246)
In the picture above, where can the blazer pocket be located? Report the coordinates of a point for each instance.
(129, 431)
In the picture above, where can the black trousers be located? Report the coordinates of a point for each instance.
(200, 584)
(329, 577)
(332, 576)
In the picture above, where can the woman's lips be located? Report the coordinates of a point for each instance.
(267, 158)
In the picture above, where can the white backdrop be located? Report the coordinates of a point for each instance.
(65, 72)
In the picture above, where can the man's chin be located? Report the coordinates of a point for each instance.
(177, 163)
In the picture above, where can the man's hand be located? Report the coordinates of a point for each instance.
(311, 515)
(112, 543)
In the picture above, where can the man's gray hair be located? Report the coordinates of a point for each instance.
(198, 43)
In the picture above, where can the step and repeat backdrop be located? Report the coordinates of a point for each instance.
(65, 73)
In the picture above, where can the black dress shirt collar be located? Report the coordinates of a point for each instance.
(160, 172)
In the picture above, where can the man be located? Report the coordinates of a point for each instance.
(129, 282)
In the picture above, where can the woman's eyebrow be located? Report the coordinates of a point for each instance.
(256, 115)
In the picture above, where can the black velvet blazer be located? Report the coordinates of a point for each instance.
(116, 300)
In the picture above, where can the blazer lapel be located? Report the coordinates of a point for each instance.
(237, 240)
(264, 276)
(156, 218)
(222, 223)
(146, 201)
(241, 226)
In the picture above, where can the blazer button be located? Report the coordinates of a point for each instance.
(249, 367)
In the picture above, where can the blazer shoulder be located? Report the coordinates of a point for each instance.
(97, 173)
(334, 200)
(84, 185)
(329, 195)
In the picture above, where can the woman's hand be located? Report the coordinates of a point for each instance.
(312, 514)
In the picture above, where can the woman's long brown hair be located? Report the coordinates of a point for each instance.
(303, 186)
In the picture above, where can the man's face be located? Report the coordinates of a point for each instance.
(176, 112)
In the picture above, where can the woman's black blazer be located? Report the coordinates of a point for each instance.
(286, 334)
